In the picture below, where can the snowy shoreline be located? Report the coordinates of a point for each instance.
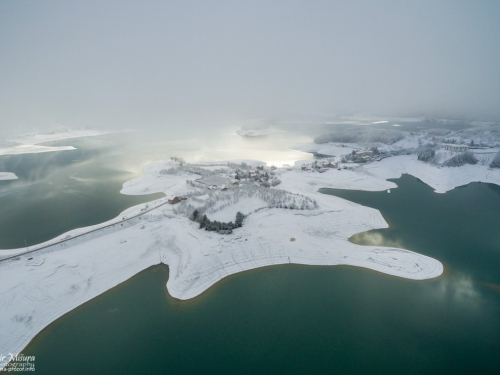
(32, 143)
(41, 286)
(374, 176)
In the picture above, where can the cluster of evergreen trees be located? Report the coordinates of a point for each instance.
(217, 226)
(496, 161)
(465, 158)
(217, 201)
(426, 153)
(386, 136)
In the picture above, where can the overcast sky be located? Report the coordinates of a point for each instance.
(164, 63)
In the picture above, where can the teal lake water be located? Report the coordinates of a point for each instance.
(59, 191)
(296, 319)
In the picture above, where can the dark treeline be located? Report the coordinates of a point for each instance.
(386, 136)
(427, 152)
(217, 226)
(461, 159)
(496, 161)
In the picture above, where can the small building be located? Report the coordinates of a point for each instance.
(363, 154)
(260, 167)
(329, 165)
(174, 201)
(236, 183)
(456, 148)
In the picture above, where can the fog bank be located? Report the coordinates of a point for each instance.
(161, 65)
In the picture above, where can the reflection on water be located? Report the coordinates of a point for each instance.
(375, 238)
(295, 319)
(284, 319)
(60, 191)
(459, 228)
(223, 145)
(460, 289)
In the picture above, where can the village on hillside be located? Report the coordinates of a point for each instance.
(223, 190)
(441, 147)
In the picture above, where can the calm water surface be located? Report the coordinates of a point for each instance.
(296, 319)
(60, 191)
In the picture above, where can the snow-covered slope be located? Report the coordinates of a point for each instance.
(439, 178)
(373, 176)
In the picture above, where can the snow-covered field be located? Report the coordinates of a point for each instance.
(373, 176)
(441, 179)
(40, 286)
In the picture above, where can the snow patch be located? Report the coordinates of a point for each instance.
(7, 176)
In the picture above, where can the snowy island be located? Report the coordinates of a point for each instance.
(7, 176)
(259, 130)
(219, 219)
(32, 142)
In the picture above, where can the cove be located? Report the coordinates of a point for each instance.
(64, 190)
(298, 319)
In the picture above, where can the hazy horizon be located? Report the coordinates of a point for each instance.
(160, 65)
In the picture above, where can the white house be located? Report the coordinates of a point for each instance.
(456, 148)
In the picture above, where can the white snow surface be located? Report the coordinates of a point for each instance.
(7, 176)
(441, 179)
(39, 287)
(30, 143)
(373, 176)
(32, 149)
(244, 206)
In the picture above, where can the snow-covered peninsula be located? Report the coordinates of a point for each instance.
(219, 219)
(288, 223)
(441, 158)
